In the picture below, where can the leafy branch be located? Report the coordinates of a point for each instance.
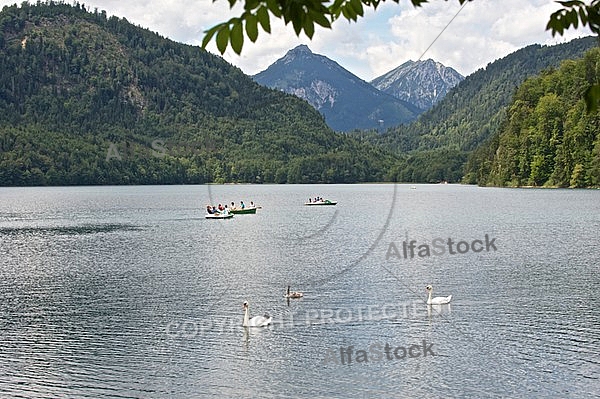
(303, 14)
(573, 13)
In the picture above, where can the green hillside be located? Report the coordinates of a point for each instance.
(470, 114)
(548, 138)
(473, 110)
(86, 99)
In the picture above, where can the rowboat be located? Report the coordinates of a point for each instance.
(326, 202)
(218, 216)
(245, 211)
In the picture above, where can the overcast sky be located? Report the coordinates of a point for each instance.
(483, 31)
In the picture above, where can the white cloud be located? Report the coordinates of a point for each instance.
(483, 31)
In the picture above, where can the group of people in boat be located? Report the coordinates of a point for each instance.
(316, 199)
(224, 210)
(217, 210)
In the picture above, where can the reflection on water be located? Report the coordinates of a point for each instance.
(129, 292)
(438, 310)
(67, 230)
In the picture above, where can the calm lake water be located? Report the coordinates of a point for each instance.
(128, 292)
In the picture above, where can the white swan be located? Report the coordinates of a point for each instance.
(438, 300)
(256, 321)
(293, 294)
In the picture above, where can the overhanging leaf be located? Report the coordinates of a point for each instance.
(236, 37)
(251, 4)
(263, 17)
(274, 7)
(252, 27)
(208, 35)
(357, 7)
(223, 38)
(319, 19)
(297, 24)
(309, 28)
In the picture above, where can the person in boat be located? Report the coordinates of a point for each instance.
(309, 200)
(232, 205)
(225, 210)
(214, 210)
(252, 204)
(209, 210)
(242, 205)
(220, 208)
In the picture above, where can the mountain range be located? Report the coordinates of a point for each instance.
(474, 110)
(91, 99)
(348, 102)
(440, 142)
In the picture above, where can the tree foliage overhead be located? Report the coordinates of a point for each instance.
(87, 99)
(303, 14)
(572, 14)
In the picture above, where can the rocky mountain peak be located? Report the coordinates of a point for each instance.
(299, 52)
(346, 101)
(422, 83)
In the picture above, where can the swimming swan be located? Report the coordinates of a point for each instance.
(439, 300)
(256, 321)
(293, 294)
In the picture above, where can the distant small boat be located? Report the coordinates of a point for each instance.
(218, 216)
(245, 211)
(326, 202)
(293, 294)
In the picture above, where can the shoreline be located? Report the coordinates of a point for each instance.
(309, 184)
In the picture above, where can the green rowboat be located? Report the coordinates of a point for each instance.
(245, 211)
(218, 216)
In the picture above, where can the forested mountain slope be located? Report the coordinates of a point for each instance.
(473, 110)
(548, 138)
(86, 99)
(437, 145)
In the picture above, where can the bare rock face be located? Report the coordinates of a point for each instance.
(346, 101)
(421, 83)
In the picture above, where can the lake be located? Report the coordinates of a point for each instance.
(129, 292)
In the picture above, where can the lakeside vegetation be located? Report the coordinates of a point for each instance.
(75, 83)
(87, 99)
(440, 141)
(548, 139)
